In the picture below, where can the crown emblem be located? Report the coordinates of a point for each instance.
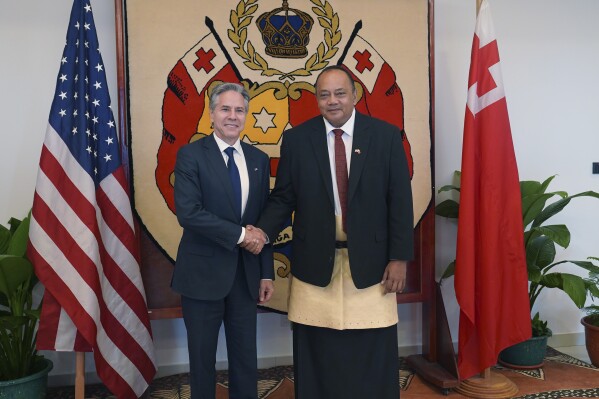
(285, 31)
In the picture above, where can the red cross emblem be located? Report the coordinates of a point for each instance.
(363, 61)
(204, 60)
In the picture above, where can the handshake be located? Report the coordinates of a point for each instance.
(254, 239)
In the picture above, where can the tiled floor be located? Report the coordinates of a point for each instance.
(579, 352)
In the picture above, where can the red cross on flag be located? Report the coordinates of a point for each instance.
(204, 61)
(365, 63)
(491, 280)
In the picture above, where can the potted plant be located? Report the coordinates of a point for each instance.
(23, 373)
(541, 241)
(591, 327)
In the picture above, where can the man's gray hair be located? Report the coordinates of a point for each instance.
(224, 87)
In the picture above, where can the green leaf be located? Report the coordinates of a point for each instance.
(13, 323)
(3, 301)
(449, 187)
(592, 289)
(448, 208)
(575, 288)
(14, 224)
(558, 233)
(530, 187)
(551, 280)
(589, 266)
(539, 327)
(14, 271)
(546, 183)
(540, 252)
(557, 206)
(532, 205)
(550, 210)
(20, 238)
(569, 283)
(449, 271)
(5, 236)
(534, 273)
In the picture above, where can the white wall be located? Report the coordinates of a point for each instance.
(549, 54)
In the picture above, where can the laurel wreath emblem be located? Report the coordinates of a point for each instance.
(242, 16)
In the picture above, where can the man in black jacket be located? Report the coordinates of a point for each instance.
(345, 176)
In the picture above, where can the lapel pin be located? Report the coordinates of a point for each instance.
(357, 151)
(255, 169)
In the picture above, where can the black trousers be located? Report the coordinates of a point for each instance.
(345, 364)
(203, 320)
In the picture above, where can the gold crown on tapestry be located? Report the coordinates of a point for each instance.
(285, 31)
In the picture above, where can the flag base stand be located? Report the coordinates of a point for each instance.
(489, 385)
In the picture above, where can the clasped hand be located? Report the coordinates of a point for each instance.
(254, 239)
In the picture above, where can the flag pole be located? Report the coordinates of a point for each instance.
(79, 375)
(486, 373)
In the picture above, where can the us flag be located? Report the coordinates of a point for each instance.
(82, 235)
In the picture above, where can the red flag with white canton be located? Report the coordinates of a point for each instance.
(82, 235)
(491, 280)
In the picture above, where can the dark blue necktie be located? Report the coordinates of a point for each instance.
(235, 180)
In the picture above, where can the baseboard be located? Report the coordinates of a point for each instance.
(91, 377)
(570, 339)
(556, 341)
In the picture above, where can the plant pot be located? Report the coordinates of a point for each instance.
(529, 354)
(31, 387)
(591, 334)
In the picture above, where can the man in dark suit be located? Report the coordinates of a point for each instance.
(352, 238)
(221, 185)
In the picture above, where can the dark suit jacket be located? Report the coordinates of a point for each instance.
(208, 252)
(380, 215)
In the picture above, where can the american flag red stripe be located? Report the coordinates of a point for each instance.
(82, 234)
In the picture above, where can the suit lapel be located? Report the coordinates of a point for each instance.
(215, 158)
(318, 140)
(359, 152)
